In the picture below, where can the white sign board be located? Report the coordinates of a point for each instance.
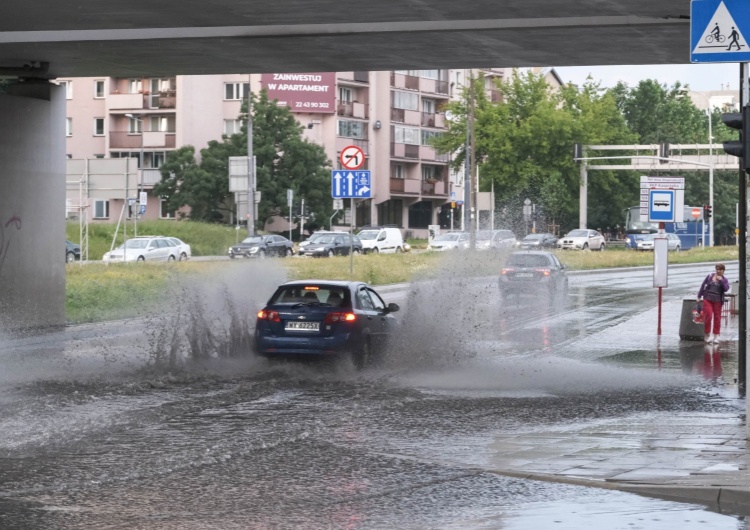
(661, 250)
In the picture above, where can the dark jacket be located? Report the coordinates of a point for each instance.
(713, 291)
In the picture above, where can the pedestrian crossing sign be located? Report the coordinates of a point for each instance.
(717, 31)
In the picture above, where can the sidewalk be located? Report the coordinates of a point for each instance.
(687, 457)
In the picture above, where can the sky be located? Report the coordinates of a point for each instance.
(700, 77)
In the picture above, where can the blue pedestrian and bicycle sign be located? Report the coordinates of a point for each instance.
(717, 31)
(350, 184)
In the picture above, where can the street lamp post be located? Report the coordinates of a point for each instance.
(709, 113)
(141, 164)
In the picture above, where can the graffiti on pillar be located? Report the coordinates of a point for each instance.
(7, 230)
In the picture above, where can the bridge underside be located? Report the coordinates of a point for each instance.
(181, 37)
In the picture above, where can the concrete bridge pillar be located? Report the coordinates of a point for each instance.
(32, 206)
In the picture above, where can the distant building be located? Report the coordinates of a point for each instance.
(391, 116)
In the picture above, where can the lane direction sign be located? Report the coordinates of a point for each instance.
(717, 31)
(352, 157)
(351, 184)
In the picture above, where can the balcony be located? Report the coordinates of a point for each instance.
(405, 186)
(142, 100)
(353, 109)
(433, 86)
(428, 153)
(409, 82)
(342, 142)
(397, 115)
(150, 176)
(430, 119)
(496, 96)
(149, 139)
(434, 187)
(404, 151)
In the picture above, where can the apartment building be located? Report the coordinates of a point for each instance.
(391, 116)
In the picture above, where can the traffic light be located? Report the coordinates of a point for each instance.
(739, 148)
(453, 204)
(707, 211)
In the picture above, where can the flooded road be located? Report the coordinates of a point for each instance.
(97, 430)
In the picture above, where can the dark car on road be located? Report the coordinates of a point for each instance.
(325, 318)
(539, 241)
(262, 247)
(72, 251)
(329, 244)
(533, 271)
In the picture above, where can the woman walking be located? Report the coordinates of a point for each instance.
(712, 291)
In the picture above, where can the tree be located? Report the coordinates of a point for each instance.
(284, 160)
(524, 146)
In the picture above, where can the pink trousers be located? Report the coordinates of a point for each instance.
(712, 311)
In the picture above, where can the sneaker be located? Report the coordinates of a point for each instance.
(707, 338)
(716, 339)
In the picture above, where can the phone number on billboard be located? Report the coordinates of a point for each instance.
(310, 105)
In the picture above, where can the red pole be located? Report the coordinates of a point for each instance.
(658, 328)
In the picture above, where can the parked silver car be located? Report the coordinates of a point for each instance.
(647, 242)
(582, 239)
(144, 248)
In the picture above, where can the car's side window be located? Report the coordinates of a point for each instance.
(377, 302)
(363, 299)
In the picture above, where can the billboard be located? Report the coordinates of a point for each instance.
(309, 92)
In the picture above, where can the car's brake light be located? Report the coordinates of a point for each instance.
(273, 316)
(339, 317)
(506, 271)
(545, 272)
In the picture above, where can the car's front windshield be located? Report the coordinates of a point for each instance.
(533, 237)
(526, 260)
(368, 235)
(252, 240)
(447, 237)
(578, 233)
(324, 240)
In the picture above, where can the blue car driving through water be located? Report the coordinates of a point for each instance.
(325, 318)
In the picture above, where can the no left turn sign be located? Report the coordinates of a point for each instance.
(352, 157)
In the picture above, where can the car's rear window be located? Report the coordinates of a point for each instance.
(303, 294)
(528, 260)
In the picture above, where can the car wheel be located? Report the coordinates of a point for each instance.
(183, 257)
(399, 250)
(585, 246)
(262, 254)
(288, 253)
(231, 256)
(376, 250)
(677, 248)
(363, 358)
(70, 257)
(141, 258)
(601, 248)
(171, 258)
(356, 251)
(330, 253)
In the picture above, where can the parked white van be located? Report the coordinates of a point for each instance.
(381, 239)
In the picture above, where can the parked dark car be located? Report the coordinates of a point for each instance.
(533, 271)
(539, 241)
(72, 251)
(329, 244)
(261, 247)
(322, 318)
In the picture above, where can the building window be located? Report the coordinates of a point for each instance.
(352, 129)
(391, 212)
(420, 215)
(99, 89)
(406, 135)
(135, 86)
(68, 126)
(399, 172)
(345, 94)
(413, 73)
(134, 126)
(431, 74)
(236, 91)
(101, 209)
(232, 127)
(429, 136)
(98, 126)
(404, 100)
(68, 85)
(164, 212)
(159, 123)
(158, 158)
(99, 156)
(428, 106)
(430, 173)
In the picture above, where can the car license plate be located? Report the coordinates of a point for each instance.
(524, 275)
(302, 326)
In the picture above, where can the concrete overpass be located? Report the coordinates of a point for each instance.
(44, 39)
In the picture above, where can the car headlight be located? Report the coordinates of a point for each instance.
(254, 250)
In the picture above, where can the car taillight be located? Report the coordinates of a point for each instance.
(339, 317)
(505, 271)
(272, 316)
(545, 272)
